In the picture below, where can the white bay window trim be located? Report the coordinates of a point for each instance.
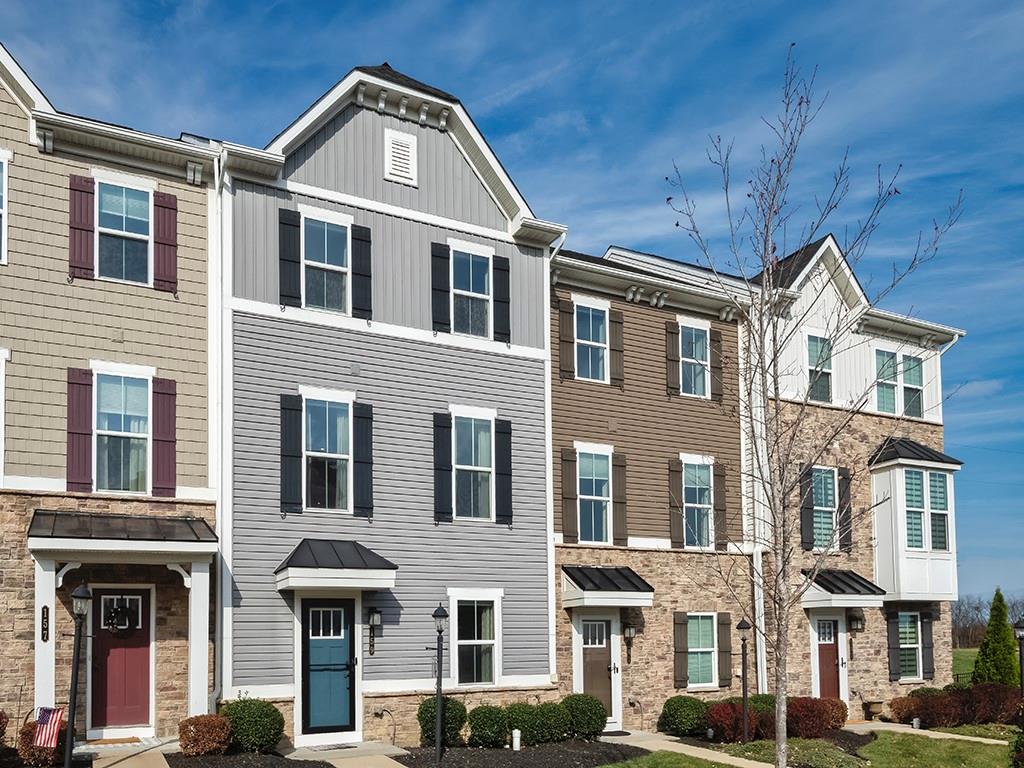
(468, 594)
(478, 414)
(136, 184)
(600, 305)
(334, 397)
(927, 510)
(339, 219)
(127, 371)
(607, 451)
(709, 508)
(898, 382)
(472, 249)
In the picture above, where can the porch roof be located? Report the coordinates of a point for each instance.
(604, 587)
(837, 588)
(334, 563)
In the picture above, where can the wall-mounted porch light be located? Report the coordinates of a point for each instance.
(629, 634)
(855, 617)
(373, 620)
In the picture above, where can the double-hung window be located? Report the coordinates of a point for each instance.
(698, 518)
(474, 467)
(913, 387)
(591, 343)
(910, 646)
(327, 453)
(701, 649)
(819, 366)
(885, 381)
(693, 354)
(913, 480)
(325, 260)
(4, 160)
(823, 488)
(124, 233)
(899, 384)
(122, 433)
(471, 293)
(595, 496)
(476, 642)
(929, 503)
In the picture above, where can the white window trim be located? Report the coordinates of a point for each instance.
(455, 595)
(700, 324)
(834, 540)
(328, 217)
(102, 367)
(895, 382)
(807, 367)
(339, 398)
(601, 450)
(5, 355)
(927, 512)
(696, 458)
(948, 511)
(390, 134)
(918, 647)
(5, 163)
(899, 383)
(713, 685)
(475, 249)
(480, 414)
(601, 305)
(136, 184)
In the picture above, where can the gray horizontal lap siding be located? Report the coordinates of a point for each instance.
(400, 255)
(347, 155)
(406, 382)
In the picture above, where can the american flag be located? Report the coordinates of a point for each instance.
(48, 727)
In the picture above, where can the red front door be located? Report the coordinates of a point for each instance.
(120, 658)
(828, 659)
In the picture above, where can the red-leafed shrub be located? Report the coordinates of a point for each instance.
(725, 719)
(939, 711)
(204, 735)
(765, 726)
(905, 709)
(807, 718)
(995, 703)
(836, 713)
(39, 757)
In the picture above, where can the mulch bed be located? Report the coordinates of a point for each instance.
(239, 760)
(848, 741)
(568, 754)
(9, 759)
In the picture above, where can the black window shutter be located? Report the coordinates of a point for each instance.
(290, 257)
(724, 650)
(503, 471)
(620, 523)
(845, 516)
(442, 467)
(715, 338)
(927, 647)
(680, 672)
(672, 357)
(362, 469)
(806, 508)
(675, 503)
(721, 533)
(566, 339)
(291, 453)
(502, 300)
(615, 345)
(892, 624)
(362, 273)
(570, 521)
(440, 286)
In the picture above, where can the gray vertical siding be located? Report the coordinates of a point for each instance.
(347, 155)
(401, 261)
(406, 382)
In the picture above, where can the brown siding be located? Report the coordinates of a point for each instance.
(645, 423)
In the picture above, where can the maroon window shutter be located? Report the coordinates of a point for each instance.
(79, 449)
(165, 442)
(81, 218)
(165, 242)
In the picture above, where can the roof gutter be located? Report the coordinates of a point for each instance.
(128, 135)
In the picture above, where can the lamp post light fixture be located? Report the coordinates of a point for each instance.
(373, 620)
(440, 616)
(629, 634)
(1018, 631)
(81, 601)
(744, 630)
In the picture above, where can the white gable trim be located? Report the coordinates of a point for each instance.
(844, 269)
(31, 90)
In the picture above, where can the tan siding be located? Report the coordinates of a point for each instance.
(644, 422)
(50, 325)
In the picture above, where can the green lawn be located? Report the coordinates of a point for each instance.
(816, 752)
(987, 731)
(665, 760)
(963, 660)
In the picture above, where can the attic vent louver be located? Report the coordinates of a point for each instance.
(400, 157)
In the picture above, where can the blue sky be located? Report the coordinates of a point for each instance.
(588, 107)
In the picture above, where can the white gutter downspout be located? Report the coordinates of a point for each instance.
(219, 163)
(759, 628)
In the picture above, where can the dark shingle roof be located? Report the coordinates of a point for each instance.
(386, 72)
(792, 266)
(839, 582)
(893, 448)
(606, 579)
(336, 553)
(55, 524)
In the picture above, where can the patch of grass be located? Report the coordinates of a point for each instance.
(666, 760)
(810, 752)
(963, 660)
(897, 750)
(987, 731)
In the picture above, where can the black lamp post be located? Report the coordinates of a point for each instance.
(1018, 631)
(81, 600)
(440, 624)
(744, 630)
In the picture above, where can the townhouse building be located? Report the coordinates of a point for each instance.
(385, 341)
(105, 464)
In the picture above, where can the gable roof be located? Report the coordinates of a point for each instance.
(903, 448)
(845, 582)
(27, 91)
(386, 72)
(789, 269)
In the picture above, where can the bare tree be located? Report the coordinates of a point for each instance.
(786, 432)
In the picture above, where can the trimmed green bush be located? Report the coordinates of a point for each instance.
(488, 727)
(1017, 751)
(762, 703)
(256, 725)
(587, 714)
(997, 658)
(924, 693)
(554, 723)
(684, 716)
(454, 720)
(523, 717)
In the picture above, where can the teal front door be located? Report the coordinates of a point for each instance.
(328, 666)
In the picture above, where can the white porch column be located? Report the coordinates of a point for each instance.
(45, 655)
(199, 638)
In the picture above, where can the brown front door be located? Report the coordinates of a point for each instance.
(120, 658)
(828, 658)
(597, 661)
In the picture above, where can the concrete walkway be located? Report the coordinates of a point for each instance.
(659, 742)
(878, 727)
(371, 754)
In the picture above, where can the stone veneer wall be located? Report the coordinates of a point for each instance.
(682, 581)
(17, 605)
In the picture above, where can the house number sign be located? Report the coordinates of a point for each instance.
(44, 624)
